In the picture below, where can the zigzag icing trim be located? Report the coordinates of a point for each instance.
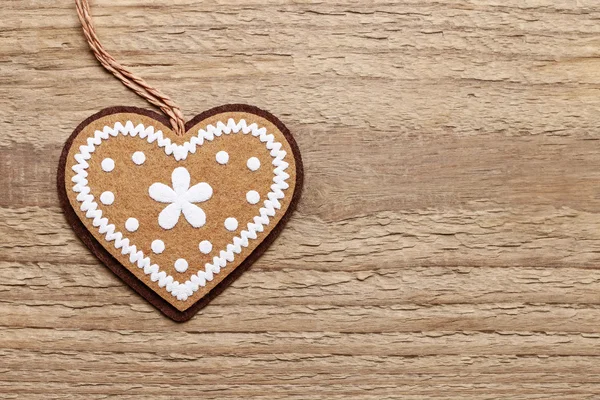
(88, 205)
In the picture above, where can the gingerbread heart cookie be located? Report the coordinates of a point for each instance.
(178, 218)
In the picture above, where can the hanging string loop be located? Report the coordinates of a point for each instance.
(128, 78)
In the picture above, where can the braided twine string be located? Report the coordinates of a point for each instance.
(128, 78)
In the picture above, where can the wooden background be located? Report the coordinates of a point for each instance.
(446, 246)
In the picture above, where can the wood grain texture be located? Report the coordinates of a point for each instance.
(446, 246)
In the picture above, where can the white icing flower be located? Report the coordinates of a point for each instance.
(181, 197)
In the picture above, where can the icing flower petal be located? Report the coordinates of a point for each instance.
(194, 215)
(199, 193)
(162, 193)
(168, 217)
(181, 180)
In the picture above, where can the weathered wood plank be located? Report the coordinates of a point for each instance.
(447, 244)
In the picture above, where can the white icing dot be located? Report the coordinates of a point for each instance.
(107, 198)
(132, 224)
(108, 164)
(253, 163)
(138, 157)
(222, 157)
(158, 246)
(231, 224)
(205, 247)
(253, 197)
(181, 265)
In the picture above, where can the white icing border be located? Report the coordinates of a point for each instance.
(88, 205)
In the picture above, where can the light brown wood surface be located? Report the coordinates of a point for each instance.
(448, 241)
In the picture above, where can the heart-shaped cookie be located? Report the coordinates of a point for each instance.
(178, 218)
